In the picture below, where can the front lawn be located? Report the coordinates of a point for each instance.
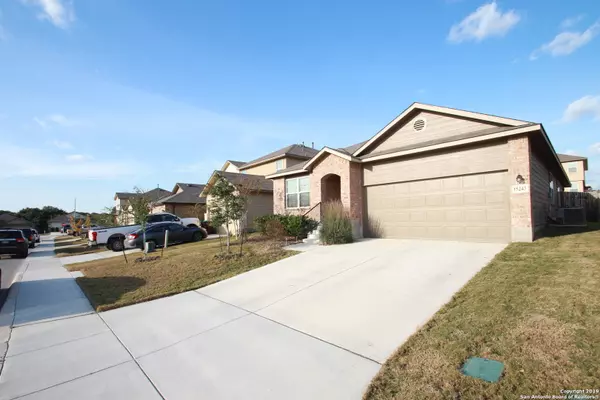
(63, 238)
(83, 248)
(73, 246)
(535, 307)
(111, 283)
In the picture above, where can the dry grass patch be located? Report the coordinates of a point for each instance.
(111, 283)
(535, 307)
(65, 238)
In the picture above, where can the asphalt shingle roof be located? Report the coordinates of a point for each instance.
(294, 150)
(190, 194)
(259, 181)
(153, 194)
(569, 157)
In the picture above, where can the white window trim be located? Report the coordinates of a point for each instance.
(277, 168)
(297, 193)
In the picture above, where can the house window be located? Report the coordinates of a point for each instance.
(572, 167)
(279, 165)
(297, 192)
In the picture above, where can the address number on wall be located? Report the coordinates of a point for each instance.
(522, 188)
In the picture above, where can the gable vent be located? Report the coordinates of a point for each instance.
(419, 124)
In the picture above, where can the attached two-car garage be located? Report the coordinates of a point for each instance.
(458, 195)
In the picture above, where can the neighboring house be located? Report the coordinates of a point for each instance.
(435, 173)
(13, 222)
(57, 222)
(253, 173)
(232, 166)
(575, 167)
(260, 202)
(122, 203)
(183, 201)
(278, 160)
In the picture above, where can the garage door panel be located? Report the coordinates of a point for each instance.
(495, 197)
(471, 207)
(474, 198)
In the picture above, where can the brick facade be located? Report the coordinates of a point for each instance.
(351, 190)
(521, 214)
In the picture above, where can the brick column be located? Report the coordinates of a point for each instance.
(519, 163)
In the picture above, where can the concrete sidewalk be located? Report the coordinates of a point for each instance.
(56, 346)
(94, 256)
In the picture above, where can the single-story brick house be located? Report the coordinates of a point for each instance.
(435, 173)
(183, 201)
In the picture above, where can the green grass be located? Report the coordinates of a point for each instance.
(112, 283)
(535, 307)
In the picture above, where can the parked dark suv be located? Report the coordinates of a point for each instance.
(29, 234)
(12, 241)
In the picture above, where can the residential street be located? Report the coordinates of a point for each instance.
(317, 325)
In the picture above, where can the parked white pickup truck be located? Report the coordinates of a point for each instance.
(113, 238)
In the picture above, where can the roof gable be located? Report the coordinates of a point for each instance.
(477, 120)
(294, 150)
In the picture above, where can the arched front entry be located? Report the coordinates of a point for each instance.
(331, 188)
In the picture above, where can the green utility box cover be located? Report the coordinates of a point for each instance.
(482, 368)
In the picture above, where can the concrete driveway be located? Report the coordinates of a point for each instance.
(317, 325)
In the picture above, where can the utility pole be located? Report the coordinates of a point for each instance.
(74, 207)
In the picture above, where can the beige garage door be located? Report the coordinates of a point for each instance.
(470, 207)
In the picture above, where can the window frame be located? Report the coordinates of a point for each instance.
(297, 193)
(277, 167)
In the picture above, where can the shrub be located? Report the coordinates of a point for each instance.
(298, 226)
(336, 227)
(260, 223)
(274, 229)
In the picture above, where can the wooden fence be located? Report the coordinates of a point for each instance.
(589, 201)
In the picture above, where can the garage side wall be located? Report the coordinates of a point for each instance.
(521, 215)
(540, 193)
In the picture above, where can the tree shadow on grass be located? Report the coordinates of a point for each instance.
(104, 292)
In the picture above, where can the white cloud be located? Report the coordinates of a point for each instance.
(570, 152)
(62, 120)
(585, 106)
(56, 120)
(78, 157)
(58, 12)
(62, 144)
(40, 122)
(45, 164)
(488, 20)
(570, 22)
(566, 43)
(595, 148)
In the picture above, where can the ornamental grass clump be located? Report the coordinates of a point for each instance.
(336, 226)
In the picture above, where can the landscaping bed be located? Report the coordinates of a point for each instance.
(535, 307)
(112, 283)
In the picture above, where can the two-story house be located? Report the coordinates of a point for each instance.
(252, 176)
(575, 167)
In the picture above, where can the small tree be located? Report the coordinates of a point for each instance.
(248, 187)
(107, 218)
(226, 206)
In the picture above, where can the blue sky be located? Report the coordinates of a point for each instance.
(101, 96)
